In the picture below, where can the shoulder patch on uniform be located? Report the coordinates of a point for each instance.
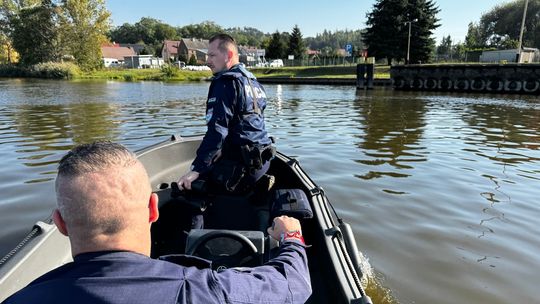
(213, 99)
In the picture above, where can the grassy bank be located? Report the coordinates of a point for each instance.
(168, 73)
(49, 70)
(147, 74)
(381, 72)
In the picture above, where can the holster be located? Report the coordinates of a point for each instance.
(254, 157)
(228, 173)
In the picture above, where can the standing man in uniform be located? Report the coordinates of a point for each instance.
(236, 150)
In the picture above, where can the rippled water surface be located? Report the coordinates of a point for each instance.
(441, 189)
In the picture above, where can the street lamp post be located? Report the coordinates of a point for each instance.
(409, 40)
(521, 31)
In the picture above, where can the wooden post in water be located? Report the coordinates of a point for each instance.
(364, 76)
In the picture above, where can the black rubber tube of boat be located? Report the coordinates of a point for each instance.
(35, 230)
(365, 298)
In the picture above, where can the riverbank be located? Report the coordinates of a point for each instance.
(329, 72)
(163, 74)
(318, 74)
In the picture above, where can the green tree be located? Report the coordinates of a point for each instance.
(444, 49)
(277, 46)
(126, 33)
(384, 26)
(336, 40)
(35, 34)
(296, 44)
(458, 51)
(247, 36)
(148, 31)
(387, 29)
(474, 39)
(84, 25)
(500, 26)
(203, 30)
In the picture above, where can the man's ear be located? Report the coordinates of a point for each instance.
(59, 222)
(153, 208)
(230, 55)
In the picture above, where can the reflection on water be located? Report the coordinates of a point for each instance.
(440, 189)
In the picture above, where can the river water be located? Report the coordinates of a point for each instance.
(441, 189)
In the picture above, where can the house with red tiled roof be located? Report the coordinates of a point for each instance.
(170, 50)
(193, 47)
(114, 55)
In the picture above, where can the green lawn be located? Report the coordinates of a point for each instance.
(147, 74)
(382, 72)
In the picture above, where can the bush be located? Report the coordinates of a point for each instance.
(169, 71)
(11, 70)
(55, 70)
(129, 77)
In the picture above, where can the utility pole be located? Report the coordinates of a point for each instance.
(521, 31)
(409, 40)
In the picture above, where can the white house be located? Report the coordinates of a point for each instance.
(143, 62)
(527, 55)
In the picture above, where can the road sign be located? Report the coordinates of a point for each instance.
(348, 49)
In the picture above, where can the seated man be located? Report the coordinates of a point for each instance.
(106, 208)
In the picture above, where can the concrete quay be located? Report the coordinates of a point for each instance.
(492, 78)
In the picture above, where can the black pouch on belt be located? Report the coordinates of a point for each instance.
(228, 173)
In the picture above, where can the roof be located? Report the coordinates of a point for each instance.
(135, 46)
(116, 52)
(196, 44)
(171, 46)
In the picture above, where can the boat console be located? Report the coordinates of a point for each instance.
(234, 233)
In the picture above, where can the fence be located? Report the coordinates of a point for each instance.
(324, 61)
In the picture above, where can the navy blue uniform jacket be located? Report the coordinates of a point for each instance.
(230, 115)
(130, 278)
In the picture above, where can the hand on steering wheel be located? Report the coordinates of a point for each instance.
(242, 257)
(185, 181)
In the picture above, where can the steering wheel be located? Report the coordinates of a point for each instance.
(245, 256)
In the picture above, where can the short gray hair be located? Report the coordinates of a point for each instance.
(95, 156)
(225, 42)
(95, 207)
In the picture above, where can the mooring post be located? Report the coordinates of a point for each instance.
(360, 76)
(364, 76)
(369, 74)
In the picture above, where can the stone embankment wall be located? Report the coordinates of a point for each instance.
(495, 78)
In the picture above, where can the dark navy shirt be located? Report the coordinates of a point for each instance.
(230, 115)
(126, 277)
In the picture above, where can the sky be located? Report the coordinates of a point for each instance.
(311, 16)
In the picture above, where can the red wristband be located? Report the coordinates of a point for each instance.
(292, 235)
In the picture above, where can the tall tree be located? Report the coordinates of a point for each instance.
(296, 44)
(500, 26)
(277, 46)
(384, 26)
(444, 49)
(474, 39)
(336, 40)
(125, 33)
(422, 41)
(84, 24)
(35, 34)
(387, 30)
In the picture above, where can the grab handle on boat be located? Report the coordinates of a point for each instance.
(344, 232)
(350, 244)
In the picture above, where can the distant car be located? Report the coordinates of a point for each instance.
(276, 63)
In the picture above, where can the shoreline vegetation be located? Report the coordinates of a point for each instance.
(54, 70)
